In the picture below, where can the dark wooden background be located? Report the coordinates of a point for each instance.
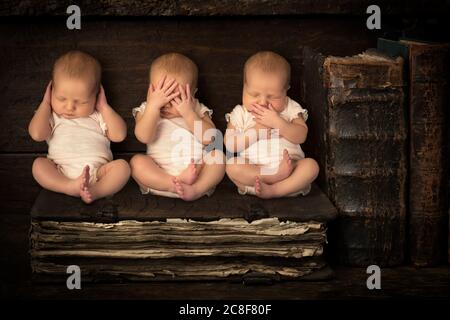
(219, 7)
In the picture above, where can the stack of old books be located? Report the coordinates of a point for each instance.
(383, 122)
(226, 236)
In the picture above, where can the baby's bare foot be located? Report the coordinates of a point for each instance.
(285, 167)
(284, 170)
(85, 191)
(185, 191)
(75, 185)
(263, 190)
(190, 174)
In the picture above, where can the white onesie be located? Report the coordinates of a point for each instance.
(75, 143)
(174, 145)
(268, 152)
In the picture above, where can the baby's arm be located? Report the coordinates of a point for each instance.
(206, 124)
(117, 128)
(39, 127)
(158, 97)
(295, 131)
(185, 105)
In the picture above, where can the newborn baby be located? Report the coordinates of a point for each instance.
(174, 125)
(266, 132)
(74, 118)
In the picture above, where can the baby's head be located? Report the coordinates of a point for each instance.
(75, 84)
(174, 66)
(266, 80)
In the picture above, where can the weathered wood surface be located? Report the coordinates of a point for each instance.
(126, 48)
(216, 7)
(349, 283)
(18, 189)
(359, 109)
(130, 204)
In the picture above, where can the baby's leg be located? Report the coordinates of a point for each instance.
(305, 172)
(149, 175)
(49, 177)
(283, 170)
(190, 174)
(240, 171)
(211, 174)
(111, 176)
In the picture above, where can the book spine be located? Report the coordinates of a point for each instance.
(359, 103)
(428, 114)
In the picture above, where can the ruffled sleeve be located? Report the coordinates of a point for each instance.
(97, 116)
(201, 110)
(51, 122)
(294, 110)
(141, 108)
(240, 119)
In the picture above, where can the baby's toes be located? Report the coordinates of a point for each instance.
(257, 185)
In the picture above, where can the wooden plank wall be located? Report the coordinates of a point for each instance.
(126, 47)
(219, 7)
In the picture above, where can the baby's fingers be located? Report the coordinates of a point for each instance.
(173, 96)
(161, 81)
(48, 92)
(257, 111)
(49, 86)
(183, 92)
(150, 90)
(101, 93)
(259, 107)
(178, 100)
(168, 84)
(188, 91)
(170, 89)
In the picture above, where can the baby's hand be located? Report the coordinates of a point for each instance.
(185, 103)
(266, 116)
(102, 103)
(163, 93)
(47, 99)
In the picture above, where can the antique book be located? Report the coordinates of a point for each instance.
(427, 75)
(226, 236)
(357, 105)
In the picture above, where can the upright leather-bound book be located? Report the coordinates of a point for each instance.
(427, 73)
(357, 104)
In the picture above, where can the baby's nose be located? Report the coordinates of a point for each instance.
(262, 101)
(70, 106)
